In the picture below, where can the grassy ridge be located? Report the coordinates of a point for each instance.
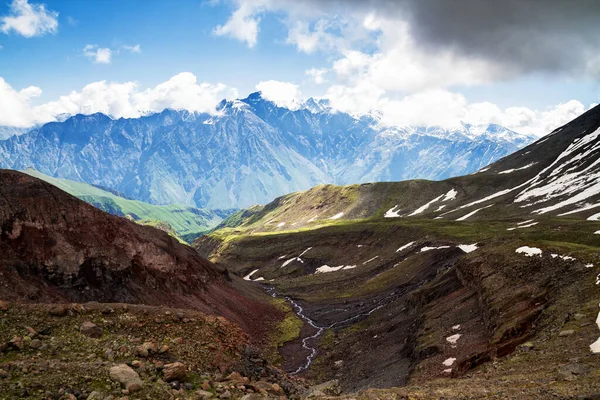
(187, 222)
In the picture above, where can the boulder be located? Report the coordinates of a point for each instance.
(123, 374)
(174, 372)
(90, 329)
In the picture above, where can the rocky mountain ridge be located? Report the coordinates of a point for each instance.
(249, 152)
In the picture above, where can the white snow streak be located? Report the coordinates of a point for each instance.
(406, 246)
(464, 217)
(425, 206)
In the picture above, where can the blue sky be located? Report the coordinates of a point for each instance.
(363, 57)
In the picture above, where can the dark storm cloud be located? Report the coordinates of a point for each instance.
(525, 35)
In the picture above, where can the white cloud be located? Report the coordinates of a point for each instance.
(15, 106)
(29, 20)
(318, 75)
(133, 49)
(284, 94)
(99, 55)
(243, 23)
(126, 99)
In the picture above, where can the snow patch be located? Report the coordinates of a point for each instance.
(529, 251)
(406, 246)
(427, 248)
(468, 248)
(279, 225)
(291, 260)
(597, 233)
(566, 258)
(456, 327)
(595, 217)
(337, 216)
(449, 361)
(584, 208)
(305, 251)
(326, 268)
(525, 222)
(595, 347)
(510, 171)
(451, 195)
(259, 279)
(425, 206)
(248, 277)
(464, 217)
(392, 213)
(368, 261)
(440, 208)
(454, 338)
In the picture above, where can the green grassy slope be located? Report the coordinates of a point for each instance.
(186, 222)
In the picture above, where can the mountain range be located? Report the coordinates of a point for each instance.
(249, 152)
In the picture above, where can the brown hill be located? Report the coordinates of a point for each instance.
(56, 248)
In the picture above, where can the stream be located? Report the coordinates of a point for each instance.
(320, 329)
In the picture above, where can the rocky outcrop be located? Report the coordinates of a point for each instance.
(56, 248)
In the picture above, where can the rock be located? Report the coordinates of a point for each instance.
(142, 351)
(225, 395)
(17, 343)
(163, 349)
(527, 346)
(338, 364)
(329, 388)
(3, 374)
(568, 332)
(123, 374)
(203, 394)
(3, 305)
(276, 389)
(175, 385)
(235, 377)
(206, 386)
(90, 329)
(137, 364)
(95, 396)
(175, 371)
(35, 344)
(188, 386)
(253, 396)
(570, 372)
(578, 316)
(58, 311)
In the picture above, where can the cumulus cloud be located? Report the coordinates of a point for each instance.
(182, 91)
(29, 20)
(284, 94)
(99, 55)
(15, 106)
(451, 110)
(243, 23)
